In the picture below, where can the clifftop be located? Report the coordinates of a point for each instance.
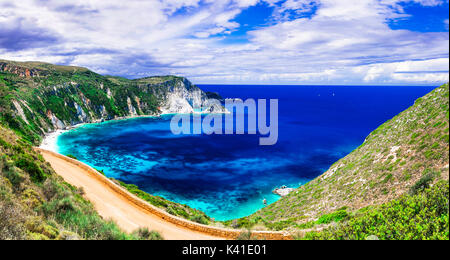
(36, 68)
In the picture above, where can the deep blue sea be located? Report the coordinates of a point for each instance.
(228, 176)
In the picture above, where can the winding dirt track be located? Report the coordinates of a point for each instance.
(113, 205)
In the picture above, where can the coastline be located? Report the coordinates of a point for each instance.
(50, 139)
(130, 212)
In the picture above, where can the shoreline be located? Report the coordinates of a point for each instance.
(50, 139)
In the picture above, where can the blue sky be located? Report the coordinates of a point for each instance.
(237, 41)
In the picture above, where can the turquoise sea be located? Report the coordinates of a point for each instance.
(228, 176)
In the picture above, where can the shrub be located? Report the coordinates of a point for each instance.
(101, 172)
(247, 235)
(26, 163)
(11, 221)
(4, 143)
(37, 226)
(146, 234)
(200, 219)
(411, 217)
(280, 225)
(14, 176)
(72, 156)
(422, 184)
(51, 188)
(335, 216)
(82, 220)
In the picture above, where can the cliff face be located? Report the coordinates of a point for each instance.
(37, 98)
(18, 70)
(179, 95)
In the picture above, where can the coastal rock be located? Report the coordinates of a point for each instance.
(96, 98)
(20, 111)
(80, 113)
(108, 93)
(131, 108)
(283, 191)
(372, 238)
(183, 97)
(103, 111)
(18, 70)
(57, 124)
(174, 103)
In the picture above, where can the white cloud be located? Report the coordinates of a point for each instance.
(425, 71)
(345, 41)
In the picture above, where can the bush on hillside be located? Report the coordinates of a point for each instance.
(146, 234)
(418, 217)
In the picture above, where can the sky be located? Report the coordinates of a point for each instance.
(329, 42)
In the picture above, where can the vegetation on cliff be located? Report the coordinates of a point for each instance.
(36, 98)
(35, 203)
(403, 155)
(423, 215)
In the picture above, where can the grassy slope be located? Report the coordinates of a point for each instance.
(399, 154)
(422, 215)
(35, 203)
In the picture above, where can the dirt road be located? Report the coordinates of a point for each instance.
(113, 205)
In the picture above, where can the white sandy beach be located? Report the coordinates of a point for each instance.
(50, 140)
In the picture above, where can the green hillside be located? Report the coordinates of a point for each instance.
(35, 203)
(36, 97)
(420, 215)
(398, 159)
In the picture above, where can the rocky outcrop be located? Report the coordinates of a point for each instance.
(103, 112)
(20, 111)
(57, 124)
(82, 116)
(181, 96)
(283, 191)
(131, 109)
(108, 93)
(18, 70)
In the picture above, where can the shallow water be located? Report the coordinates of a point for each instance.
(228, 176)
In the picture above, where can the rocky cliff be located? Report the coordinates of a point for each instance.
(37, 98)
(179, 95)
